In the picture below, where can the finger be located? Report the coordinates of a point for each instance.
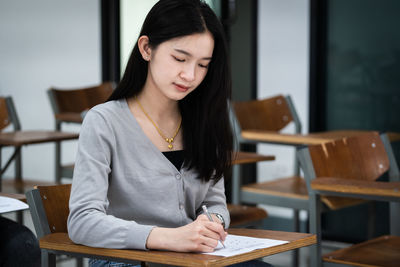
(210, 234)
(202, 217)
(210, 242)
(224, 235)
(205, 248)
(217, 228)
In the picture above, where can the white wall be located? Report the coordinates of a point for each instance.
(132, 17)
(283, 62)
(45, 43)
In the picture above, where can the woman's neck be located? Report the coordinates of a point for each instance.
(158, 107)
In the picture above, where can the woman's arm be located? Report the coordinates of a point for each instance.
(88, 222)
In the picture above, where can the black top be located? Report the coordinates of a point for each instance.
(176, 157)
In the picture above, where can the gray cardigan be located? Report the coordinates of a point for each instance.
(123, 186)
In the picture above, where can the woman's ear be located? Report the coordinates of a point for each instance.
(144, 47)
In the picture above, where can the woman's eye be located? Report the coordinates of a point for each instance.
(203, 66)
(178, 59)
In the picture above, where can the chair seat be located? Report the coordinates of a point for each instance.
(21, 186)
(245, 215)
(292, 187)
(382, 251)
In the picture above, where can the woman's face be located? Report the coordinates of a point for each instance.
(178, 66)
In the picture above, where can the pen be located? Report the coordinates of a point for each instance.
(210, 218)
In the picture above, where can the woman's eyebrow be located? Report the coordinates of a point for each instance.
(188, 54)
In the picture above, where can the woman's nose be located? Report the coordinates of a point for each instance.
(188, 73)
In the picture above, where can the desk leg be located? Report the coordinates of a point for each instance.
(395, 218)
(48, 259)
(58, 155)
(18, 180)
(236, 184)
(296, 222)
(1, 172)
(315, 228)
(58, 162)
(13, 156)
(18, 170)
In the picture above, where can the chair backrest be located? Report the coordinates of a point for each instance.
(269, 114)
(78, 100)
(4, 117)
(364, 157)
(49, 208)
(8, 114)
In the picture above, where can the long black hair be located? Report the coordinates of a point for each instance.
(207, 134)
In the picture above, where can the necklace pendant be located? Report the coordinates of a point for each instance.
(168, 140)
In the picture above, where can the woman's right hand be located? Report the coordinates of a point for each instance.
(201, 235)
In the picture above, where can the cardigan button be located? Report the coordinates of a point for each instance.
(178, 176)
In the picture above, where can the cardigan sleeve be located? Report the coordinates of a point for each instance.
(216, 201)
(88, 223)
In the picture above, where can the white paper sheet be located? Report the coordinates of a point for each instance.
(8, 204)
(235, 244)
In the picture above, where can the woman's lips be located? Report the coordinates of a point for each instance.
(181, 88)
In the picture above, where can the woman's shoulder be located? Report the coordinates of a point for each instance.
(110, 108)
(108, 111)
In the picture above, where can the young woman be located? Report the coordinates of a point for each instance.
(150, 157)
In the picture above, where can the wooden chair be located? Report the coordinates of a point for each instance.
(18, 138)
(271, 114)
(68, 107)
(49, 211)
(350, 167)
(261, 121)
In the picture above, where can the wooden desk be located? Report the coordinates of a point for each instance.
(17, 139)
(305, 139)
(240, 157)
(59, 243)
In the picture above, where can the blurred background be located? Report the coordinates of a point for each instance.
(338, 59)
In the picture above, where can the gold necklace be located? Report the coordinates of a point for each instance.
(169, 140)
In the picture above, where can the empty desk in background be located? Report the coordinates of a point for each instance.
(17, 139)
(305, 139)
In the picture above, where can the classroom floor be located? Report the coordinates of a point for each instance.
(278, 260)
